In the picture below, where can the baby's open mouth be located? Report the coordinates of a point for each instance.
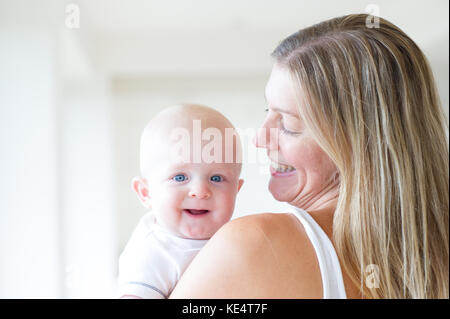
(196, 211)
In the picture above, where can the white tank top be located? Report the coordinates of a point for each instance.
(330, 269)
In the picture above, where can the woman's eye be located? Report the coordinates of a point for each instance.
(179, 178)
(286, 131)
(216, 178)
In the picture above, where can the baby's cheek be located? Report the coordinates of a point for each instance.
(169, 202)
(227, 206)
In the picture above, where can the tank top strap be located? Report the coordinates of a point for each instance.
(330, 269)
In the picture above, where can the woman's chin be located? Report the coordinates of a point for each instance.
(281, 188)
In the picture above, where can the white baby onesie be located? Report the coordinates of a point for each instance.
(154, 260)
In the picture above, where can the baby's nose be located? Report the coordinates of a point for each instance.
(200, 191)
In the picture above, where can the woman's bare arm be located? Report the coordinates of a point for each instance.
(257, 256)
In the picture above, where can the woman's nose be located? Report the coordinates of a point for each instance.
(200, 191)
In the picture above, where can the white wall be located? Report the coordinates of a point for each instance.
(57, 226)
(30, 263)
(89, 241)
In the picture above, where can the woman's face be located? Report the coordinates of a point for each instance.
(301, 173)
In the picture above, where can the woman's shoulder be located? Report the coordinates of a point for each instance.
(261, 219)
(256, 256)
(273, 227)
(257, 224)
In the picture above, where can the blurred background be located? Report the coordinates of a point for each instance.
(80, 79)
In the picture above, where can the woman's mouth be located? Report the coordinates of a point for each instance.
(277, 169)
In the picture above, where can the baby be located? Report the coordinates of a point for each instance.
(189, 190)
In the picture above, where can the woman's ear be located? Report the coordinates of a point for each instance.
(140, 187)
(240, 183)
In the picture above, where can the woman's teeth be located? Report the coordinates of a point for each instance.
(282, 168)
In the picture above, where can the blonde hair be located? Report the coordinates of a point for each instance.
(369, 98)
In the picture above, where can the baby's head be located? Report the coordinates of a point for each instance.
(190, 167)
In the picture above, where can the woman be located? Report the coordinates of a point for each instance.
(365, 164)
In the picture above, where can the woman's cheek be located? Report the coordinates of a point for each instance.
(304, 152)
(298, 154)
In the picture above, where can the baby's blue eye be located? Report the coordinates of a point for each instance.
(179, 178)
(216, 178)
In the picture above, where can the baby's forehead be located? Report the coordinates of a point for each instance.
(194, 134)
(199, 142)
(167, 127)
(194, 141)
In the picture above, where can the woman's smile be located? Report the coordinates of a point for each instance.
(280, 170)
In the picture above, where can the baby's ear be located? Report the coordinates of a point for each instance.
(140, 187)
(240, 183)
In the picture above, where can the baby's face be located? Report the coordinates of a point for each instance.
(193, 200)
